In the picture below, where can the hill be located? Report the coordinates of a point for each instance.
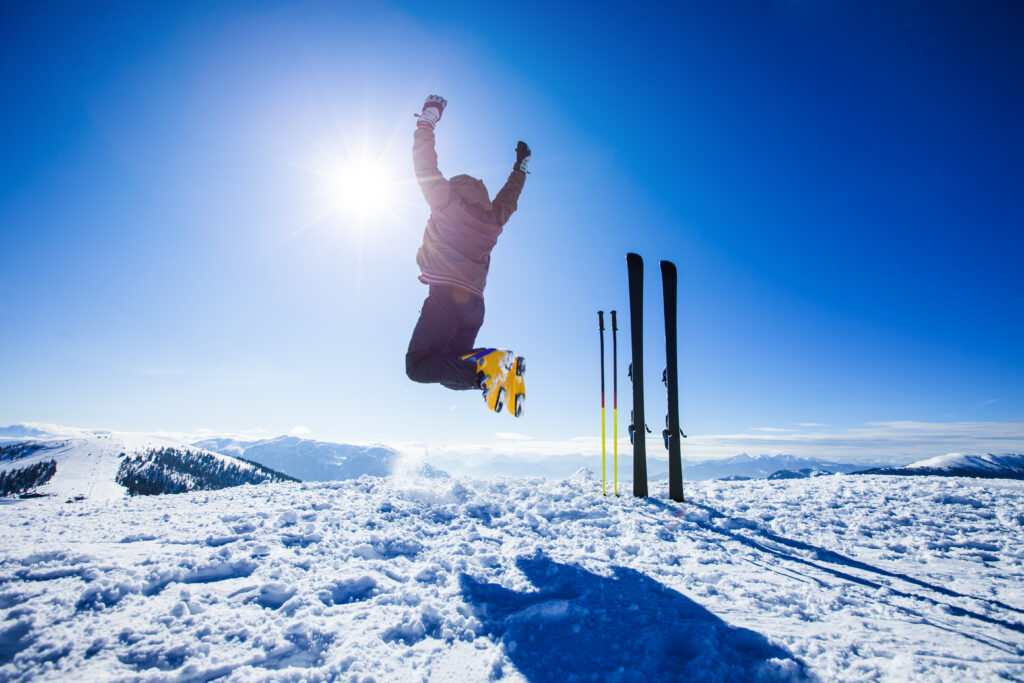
(989, 466)
(109, 466)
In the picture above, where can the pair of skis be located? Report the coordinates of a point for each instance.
(615, 404)
(672, 432)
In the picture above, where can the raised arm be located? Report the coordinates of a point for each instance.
(434, 186)
(507, 199)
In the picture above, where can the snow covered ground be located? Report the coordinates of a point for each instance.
(835, 578)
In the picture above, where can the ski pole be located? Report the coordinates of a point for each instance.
(600, 327)
(615, 404)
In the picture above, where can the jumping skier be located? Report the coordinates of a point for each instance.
(463, 228)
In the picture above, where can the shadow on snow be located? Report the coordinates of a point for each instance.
(726, 526)
(578, 625)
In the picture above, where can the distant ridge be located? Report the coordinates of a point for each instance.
(988, 466)
(805, 473)
(312, 460)
(744, 466)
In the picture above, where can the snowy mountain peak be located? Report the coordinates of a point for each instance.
(988, 461)
(989, 466)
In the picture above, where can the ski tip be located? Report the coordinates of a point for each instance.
(668, 266)
(632, 256)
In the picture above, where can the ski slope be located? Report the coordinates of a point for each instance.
(832, 578)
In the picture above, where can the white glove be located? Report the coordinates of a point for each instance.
(522, 157)
(432, 110)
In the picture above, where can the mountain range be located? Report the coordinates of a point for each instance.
(76, 464)
(54, 460)
(311, 460)
(744, 466)
(109, 466)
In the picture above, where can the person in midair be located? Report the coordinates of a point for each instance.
(454, 258)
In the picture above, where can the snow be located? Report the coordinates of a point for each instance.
(403, 578)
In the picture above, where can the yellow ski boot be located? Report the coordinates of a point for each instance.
(515, 386)
(501, 376)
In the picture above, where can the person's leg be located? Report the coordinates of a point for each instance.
(430, 358)
(471, 316)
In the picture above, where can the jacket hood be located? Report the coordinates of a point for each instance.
(471, 191)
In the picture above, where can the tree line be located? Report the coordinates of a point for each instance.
(22, 479)
(173, 470)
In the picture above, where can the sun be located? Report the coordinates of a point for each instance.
(358, 186)
(363, 189)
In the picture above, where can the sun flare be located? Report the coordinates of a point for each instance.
(363, 189)
(358, 187)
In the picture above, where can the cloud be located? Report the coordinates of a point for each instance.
(989, 402)
(41, 430)
(771, 429)
(513, 436)
(299, 430)
(812, 424)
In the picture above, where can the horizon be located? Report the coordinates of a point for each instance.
(903, 444)
(838, 185)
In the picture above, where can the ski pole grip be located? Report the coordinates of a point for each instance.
(614, 326)
(600, 320)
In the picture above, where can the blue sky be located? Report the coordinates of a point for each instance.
(839, 184)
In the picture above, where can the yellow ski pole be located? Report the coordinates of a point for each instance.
(615, 403)
(600, 327)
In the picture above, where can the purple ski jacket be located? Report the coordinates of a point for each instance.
(464, 223)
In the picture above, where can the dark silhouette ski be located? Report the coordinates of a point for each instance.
(673, 433)
(635, 268)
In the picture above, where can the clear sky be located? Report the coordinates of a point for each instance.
(840, 185)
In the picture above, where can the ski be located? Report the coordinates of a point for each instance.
(635, 268)
(673, 433)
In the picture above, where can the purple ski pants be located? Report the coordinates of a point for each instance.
(446, 330)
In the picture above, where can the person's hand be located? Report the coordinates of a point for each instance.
(432, 110)
(522, 157)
